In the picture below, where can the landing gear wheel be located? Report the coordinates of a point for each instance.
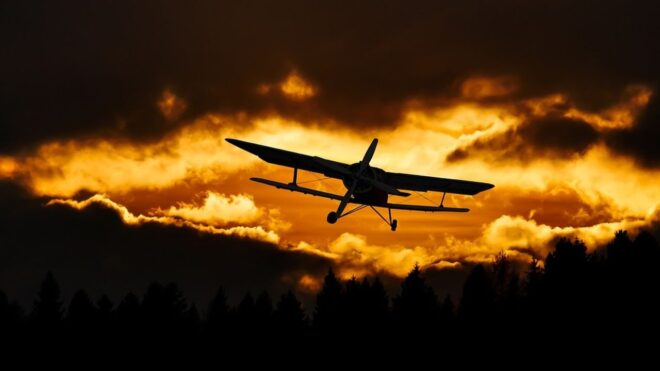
(393, 225)
(332, 217)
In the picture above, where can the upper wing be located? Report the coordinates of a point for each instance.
(337, 170)
(292, 159)
(427, 183)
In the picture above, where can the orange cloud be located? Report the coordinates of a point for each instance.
(295, 87)
(171, 106)
(309, 283)
(8, 167)
(620, 116)
(520, 238)
(194, 152)
(220, 210)
(258, 232)
(487, 87)
(516, 234)
(356, 257)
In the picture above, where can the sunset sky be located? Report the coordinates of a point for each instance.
(125, 106)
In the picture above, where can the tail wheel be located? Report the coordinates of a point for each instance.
(332, 217)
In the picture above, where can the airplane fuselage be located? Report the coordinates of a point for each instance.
(365, 192)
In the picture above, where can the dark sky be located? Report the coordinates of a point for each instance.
(80, 68)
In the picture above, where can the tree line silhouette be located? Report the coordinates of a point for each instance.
(612, 289)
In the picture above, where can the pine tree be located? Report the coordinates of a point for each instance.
(47, 311)
(105, 306)
(289, 313)
(417, 305)
(246, 313)
(620, 249)
(128, 316)
(378, 304)
(264, 306)
(164, 311)
(11, 316)
(263, 309)
(327, 314)
(217, 316)
(477, 304)
(566, 283)
(81, 315)
(352, 305)
(192, 320)
(175, 302)
(447, 313)
(105, 316)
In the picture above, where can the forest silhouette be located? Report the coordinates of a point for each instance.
(587, 295)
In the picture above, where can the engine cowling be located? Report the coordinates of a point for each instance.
(364, 190)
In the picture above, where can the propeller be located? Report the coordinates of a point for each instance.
(347, 197)
(364, 164)
(368, 155)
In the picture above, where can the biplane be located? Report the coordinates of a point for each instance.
(366, 186)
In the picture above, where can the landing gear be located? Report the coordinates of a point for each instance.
(332, 217)
(391, 222)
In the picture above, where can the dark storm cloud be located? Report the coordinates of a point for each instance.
(80, 68)
(642, 141)
(93, 249)
(544, 137)
(559, 134)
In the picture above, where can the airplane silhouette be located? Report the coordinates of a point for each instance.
(366, 186)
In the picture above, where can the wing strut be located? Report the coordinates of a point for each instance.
(354, 210)
(391, 222)
(295, 177)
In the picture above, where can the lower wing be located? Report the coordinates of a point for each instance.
(332, 196)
